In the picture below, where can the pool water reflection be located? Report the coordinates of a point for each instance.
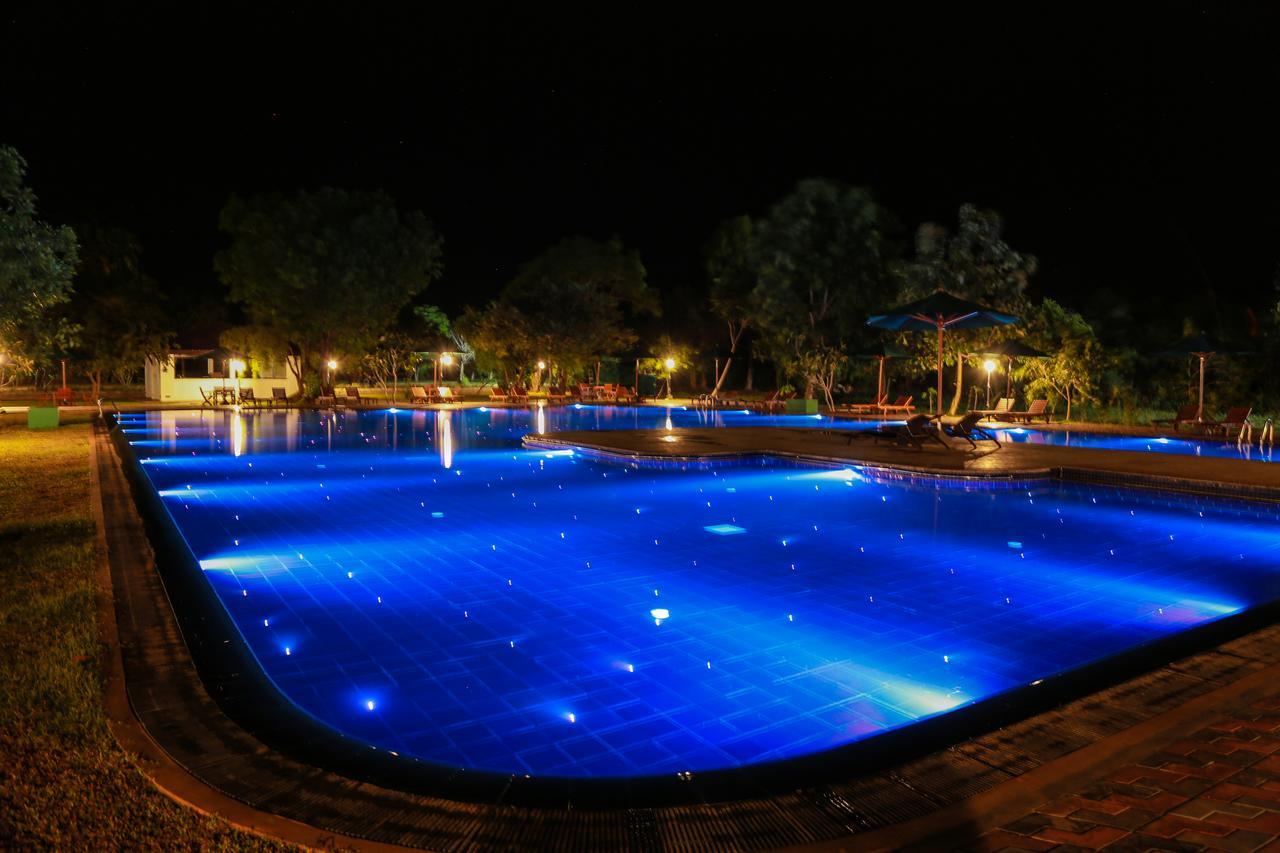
(419, 581)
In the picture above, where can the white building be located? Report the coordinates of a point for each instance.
(183, 374)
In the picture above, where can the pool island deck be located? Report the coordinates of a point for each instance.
(1228, 477)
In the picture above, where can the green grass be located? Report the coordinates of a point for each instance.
(64, 781)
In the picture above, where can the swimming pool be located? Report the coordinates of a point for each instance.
(419, 582)
(1175, 445)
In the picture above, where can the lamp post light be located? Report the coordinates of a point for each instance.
(332, 364)
(989, 366)
(670, 365)
(542, 365)
(442, 360)
(237, 367)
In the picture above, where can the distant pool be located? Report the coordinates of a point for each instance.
(420, 582)
(1137, 443)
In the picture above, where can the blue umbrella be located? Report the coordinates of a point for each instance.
(940, 311)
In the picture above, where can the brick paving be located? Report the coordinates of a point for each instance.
(1215, 789)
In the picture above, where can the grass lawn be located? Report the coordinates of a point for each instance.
(64, 782)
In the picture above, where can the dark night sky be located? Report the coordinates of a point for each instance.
(1134, 152)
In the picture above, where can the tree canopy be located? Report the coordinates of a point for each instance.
(330, 269)
(822, 261)
(118, 309)
(37, 265)
(570, 305)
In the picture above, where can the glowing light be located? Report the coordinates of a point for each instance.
(573, 718)
(724, 529)
(331, 364)
(989, 365)
(287, 652)
(368, 705)
(1014, 545)
(669, 364)
(542, 365)
(660, 613)
(237, 367)
(446, 360)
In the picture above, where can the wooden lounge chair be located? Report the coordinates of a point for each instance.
(519, 395)
(1229, 427)
(446, 395)
(420, 396)
(1037, 409)
(498, 395)
(915, 432)
(1003, 406)
(901, 406)
(353, 396)
(968, 429)
(247, 398)
(585, 392)
(556, 394)
(1185, 415)
(864, 408)
(206, 400)
(279, 397)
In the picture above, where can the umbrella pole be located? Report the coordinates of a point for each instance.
(1200, 408)
(880, 383)
(1008, 377)
(939, 368)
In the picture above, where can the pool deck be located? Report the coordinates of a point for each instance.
(1236, 477)
(1185, 755)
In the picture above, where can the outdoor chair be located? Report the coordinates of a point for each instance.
(420, 396)
(247, 398)
(1229, 427)
(1185, 415)
(498, 395)
(556, 394)
(901, 406)
(865, 408)
(1003, 406)
(445, 394)
(585, 392)
(968, 429)
(914, 432)
(279, 395)
(206, 400)
(1037, 409)
(762, 405)
(519, 395)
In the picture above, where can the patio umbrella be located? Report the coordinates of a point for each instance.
(881, 353)
(940, 311)
(1202, 346)
(1009, 350)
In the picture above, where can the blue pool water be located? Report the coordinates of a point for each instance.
(1139, 443)
(419, 581)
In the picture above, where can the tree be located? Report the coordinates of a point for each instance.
(118, 309)
(436, 319)
(504, 341)
(974, 263)
(1077, 362)
(328, 270)
(395, 354)
(733, 266)
(572, 304)
(822, 270)
(37, 264)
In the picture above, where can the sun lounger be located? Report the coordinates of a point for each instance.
(864, 408)
(915, 432)
(1037, 409)
(497, 394)
(1003, 406)
(446, 395)
(420, 396)
(902, 406)
(968, 429)
(279, 396)
(247, 398)
(1229, 427)
(1185, 415)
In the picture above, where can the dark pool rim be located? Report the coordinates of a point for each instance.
(242, 690)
